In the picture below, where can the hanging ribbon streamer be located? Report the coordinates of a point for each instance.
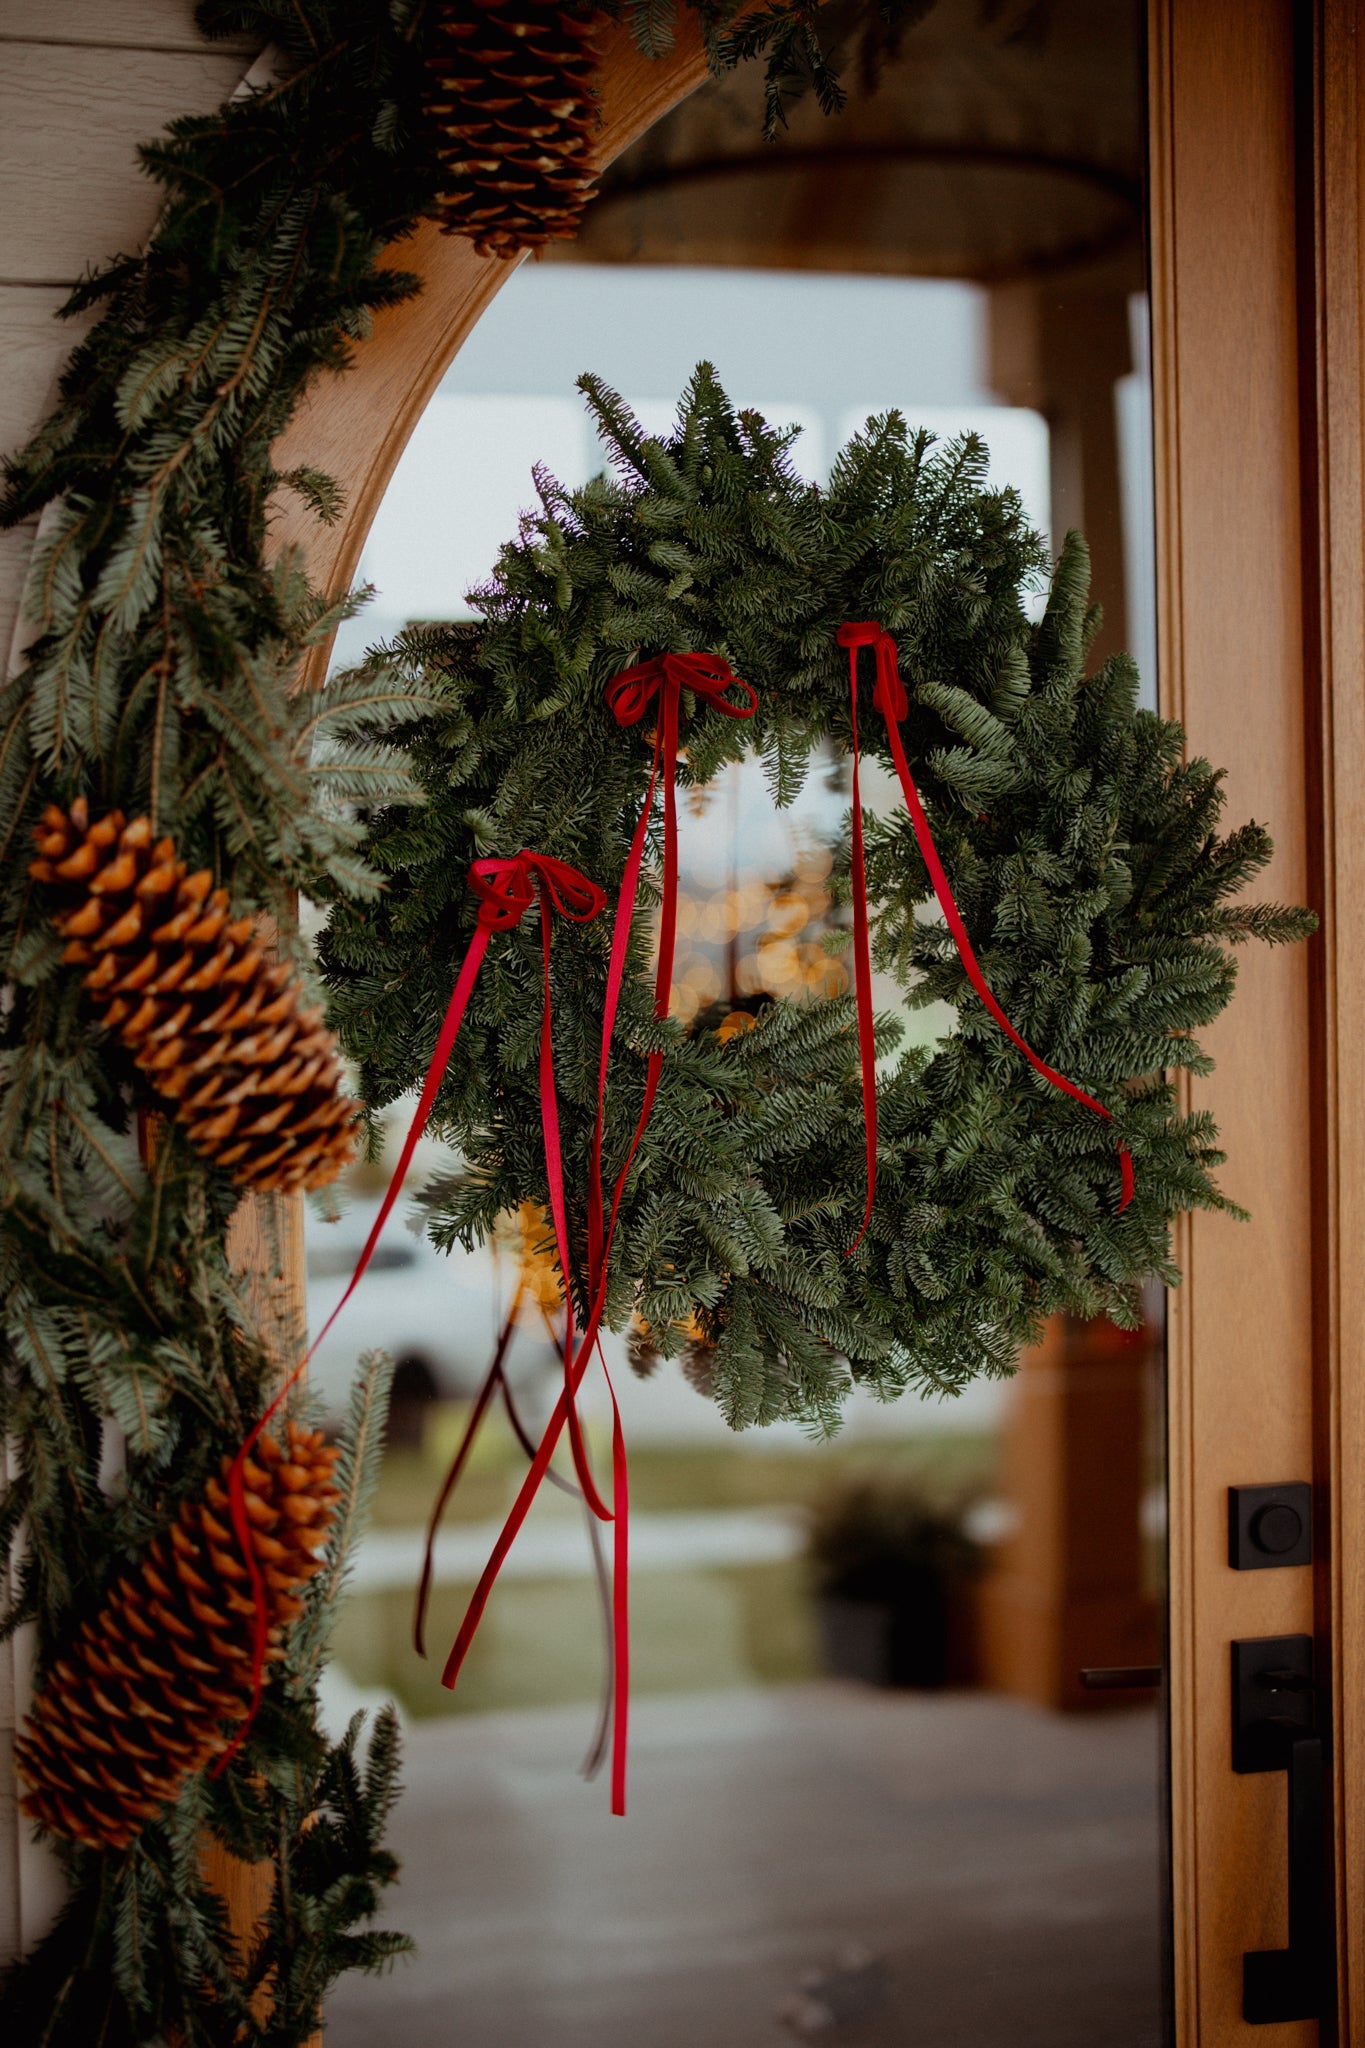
(496, 1381)
(506, 889)
(629, 694)
(890, 699)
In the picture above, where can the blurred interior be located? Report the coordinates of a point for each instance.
(873, 1796)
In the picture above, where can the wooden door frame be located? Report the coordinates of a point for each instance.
(1332, 326)
(1256, 183)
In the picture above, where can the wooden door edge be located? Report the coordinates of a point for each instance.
(1332, 312)
(1180, 1659)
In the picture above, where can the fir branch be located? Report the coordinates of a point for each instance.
(356, 1475)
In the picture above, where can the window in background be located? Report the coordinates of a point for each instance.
(819, 353)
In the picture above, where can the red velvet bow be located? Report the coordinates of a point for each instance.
(506, 889)
(631, 691)
(890, 699)
(629, 694)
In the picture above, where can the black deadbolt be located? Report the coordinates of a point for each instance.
(1277, 1528)
(1270, 1525)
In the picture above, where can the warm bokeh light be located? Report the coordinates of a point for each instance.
(759, 935)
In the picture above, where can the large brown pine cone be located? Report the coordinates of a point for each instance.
(213, 1022)
(511, 99)
(153, 1686)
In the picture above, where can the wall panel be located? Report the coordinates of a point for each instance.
(110, 25)
(70, 123)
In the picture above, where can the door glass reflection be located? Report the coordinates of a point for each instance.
(873, 1798)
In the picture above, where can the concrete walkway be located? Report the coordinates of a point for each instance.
(875, 1870)
(557, 1548)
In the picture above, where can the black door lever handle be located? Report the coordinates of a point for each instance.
(1273, 1730)
(1289, 1983)
(1120, 1677)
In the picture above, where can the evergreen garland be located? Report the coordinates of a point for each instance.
(161, 682)
(1081, 845)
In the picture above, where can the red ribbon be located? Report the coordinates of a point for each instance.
(506, 889)
(494, 1381)
(497, 1381)
(629, 694)
(890, 699)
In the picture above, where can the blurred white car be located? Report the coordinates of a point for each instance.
(437, 1315)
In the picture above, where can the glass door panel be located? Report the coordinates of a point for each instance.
(891, 1819)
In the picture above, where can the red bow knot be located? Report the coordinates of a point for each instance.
(507, 888)
(709, 676)
(888, 695)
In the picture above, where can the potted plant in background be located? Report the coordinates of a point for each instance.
(892, 1570)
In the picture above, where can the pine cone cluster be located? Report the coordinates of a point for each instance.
(153, 1686)
(214, 1024)
(511, 99)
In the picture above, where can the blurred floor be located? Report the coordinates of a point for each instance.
(1003, 1861)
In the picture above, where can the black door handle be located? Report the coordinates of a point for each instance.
(1273, 1730)
(1289, 1983)
(1120, 1677)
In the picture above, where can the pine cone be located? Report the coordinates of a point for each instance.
(511, 98)
(153, 1686)
(211, 1020)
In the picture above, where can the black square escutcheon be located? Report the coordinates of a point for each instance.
(1270, 1526)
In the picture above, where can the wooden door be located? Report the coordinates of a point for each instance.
(1255, 183)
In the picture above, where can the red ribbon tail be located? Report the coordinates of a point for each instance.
(948, 904)
(457, 1464)
(620, 1603)
(236, 1488)
(554, 1168)
(616, 974)
(862, 971)
(668, 909)
(597, 1748)
(1129, 1178)
(663, 973)
(511, 1528)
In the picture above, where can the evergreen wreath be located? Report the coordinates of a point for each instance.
(1080, 843)
(160, 683)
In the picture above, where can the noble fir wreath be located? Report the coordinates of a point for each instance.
(1080, 845)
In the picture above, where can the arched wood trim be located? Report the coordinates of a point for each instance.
(355, 427)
